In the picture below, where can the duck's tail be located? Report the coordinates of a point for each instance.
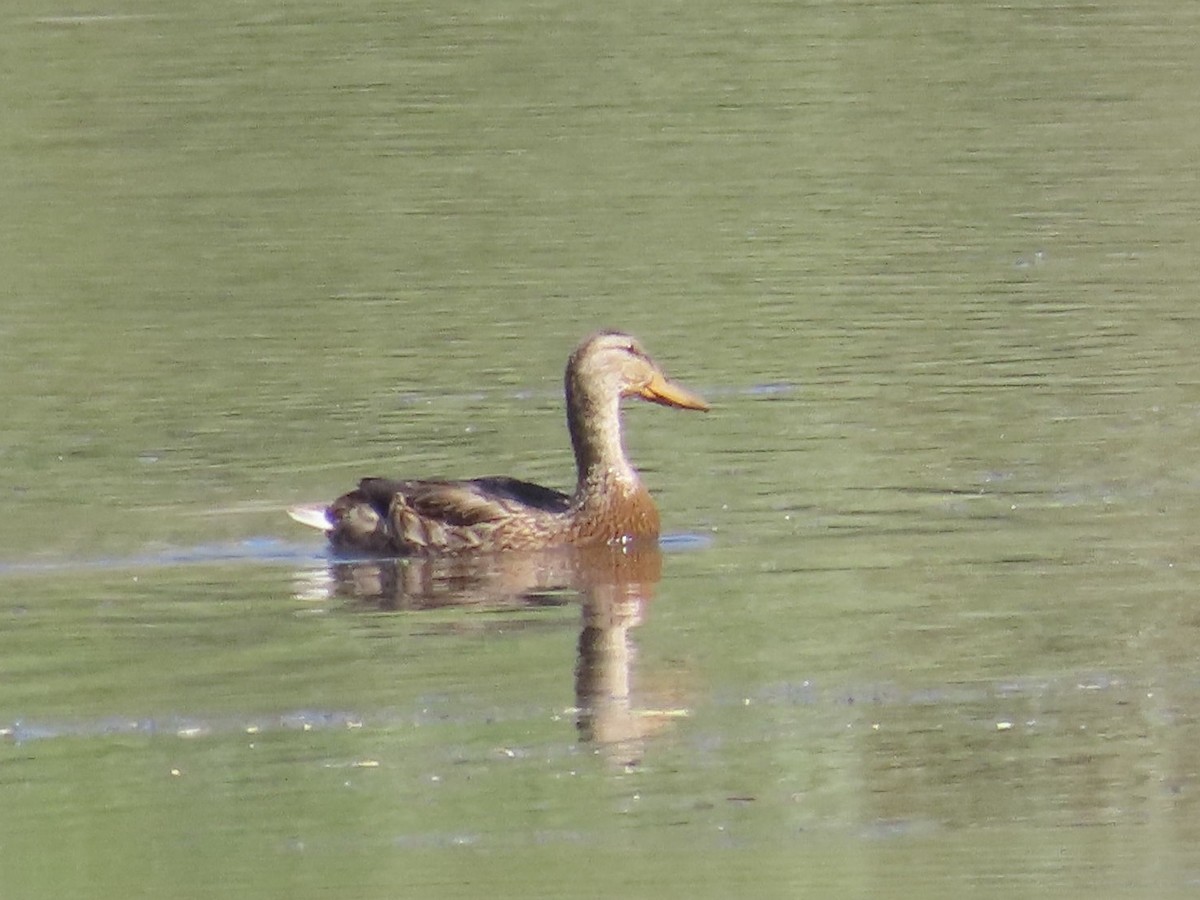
(313, 516)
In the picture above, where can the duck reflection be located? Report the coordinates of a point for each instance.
(613, 584)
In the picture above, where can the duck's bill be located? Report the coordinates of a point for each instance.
(668, 393)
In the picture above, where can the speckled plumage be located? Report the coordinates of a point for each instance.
(609, 503)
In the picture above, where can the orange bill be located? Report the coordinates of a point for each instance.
(668, 393)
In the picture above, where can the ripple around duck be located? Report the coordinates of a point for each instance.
(183, 727)
(263, 550)
(254, 550)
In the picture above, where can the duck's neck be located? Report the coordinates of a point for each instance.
(603, 468)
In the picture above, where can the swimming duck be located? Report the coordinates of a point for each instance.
(481, 515)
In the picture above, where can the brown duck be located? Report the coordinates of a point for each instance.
(609, 505)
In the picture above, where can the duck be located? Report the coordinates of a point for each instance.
(610, 504)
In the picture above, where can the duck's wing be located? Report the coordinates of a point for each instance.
(525, 493)
(443, 516)
(460, 502)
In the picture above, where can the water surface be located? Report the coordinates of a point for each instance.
(926, 622)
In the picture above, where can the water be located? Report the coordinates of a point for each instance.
(925, 622)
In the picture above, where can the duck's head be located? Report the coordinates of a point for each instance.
(612, 364)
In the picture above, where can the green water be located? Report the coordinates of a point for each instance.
(926, 624)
